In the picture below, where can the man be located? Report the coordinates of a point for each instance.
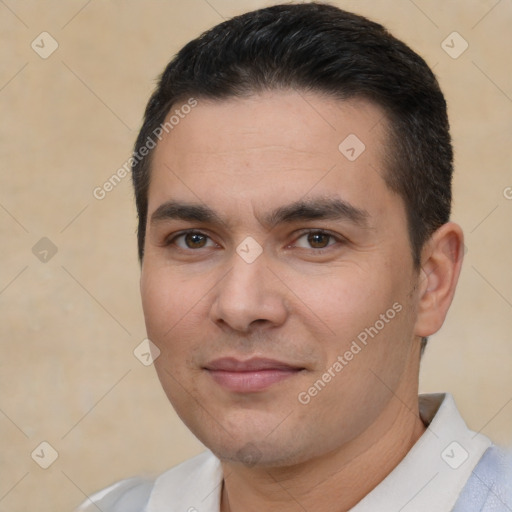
(293, 185)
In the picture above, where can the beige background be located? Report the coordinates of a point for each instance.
(69, 326)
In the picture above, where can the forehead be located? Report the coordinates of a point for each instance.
(299, 121)
(271, 148)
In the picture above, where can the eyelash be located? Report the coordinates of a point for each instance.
(319, 250)
(172, 240)
(337, 238)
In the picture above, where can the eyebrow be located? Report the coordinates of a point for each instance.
(302, 210)
(318, 209)
(171, 210)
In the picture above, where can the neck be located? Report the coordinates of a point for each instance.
(334, 481)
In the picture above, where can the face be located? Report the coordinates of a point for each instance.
(277, 278)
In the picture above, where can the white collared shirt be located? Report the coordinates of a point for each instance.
(430, 477)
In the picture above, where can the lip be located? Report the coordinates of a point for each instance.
(249, 376)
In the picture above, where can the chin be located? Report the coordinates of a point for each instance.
(252, 451)
(255, 455)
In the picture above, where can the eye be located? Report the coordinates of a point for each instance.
(192, 240)
(315, 240)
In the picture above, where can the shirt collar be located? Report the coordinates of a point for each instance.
(430, 477)
(433, 473)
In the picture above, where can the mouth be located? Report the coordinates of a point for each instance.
(250, 376)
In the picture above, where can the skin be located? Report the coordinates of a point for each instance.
(303, 301)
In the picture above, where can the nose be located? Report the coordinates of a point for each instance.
(249, 295)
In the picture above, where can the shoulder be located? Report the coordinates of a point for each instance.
(490, 485)
(133, 494)
(130, 495)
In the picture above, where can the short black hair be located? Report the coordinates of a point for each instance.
(316, 47)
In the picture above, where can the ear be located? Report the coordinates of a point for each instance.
(441, 262)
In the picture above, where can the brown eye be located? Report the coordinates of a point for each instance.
(195, 240)
(319, 240)
(316, 240)
(191, 241)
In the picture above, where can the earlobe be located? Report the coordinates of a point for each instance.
(442, 259)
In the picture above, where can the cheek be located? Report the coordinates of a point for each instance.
(156, 303)
(168, 300)
(347, 299)
(175, 310)
(162, 311)
(171, 310)
(363, 313)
